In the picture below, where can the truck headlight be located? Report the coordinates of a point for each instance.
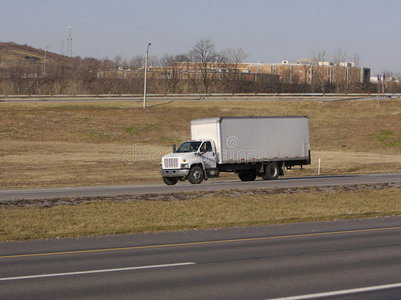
(184, 166)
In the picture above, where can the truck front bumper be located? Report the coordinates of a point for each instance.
(174, 172)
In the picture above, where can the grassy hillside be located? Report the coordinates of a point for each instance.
(11, 54)
(58, 144)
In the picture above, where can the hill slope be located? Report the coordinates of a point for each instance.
(12, 53)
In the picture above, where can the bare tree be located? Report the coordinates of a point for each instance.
(307, 73)
(118, 59)
(340, 55)
(397, 82)
(106, 63)
(356, 59)
(319, 72)
(191, 72)
(136, 62)
(318, 56)
(171, 73)
(234, 57)
(204, 54)
(153, 60)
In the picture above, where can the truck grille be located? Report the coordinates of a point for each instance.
(171, 163)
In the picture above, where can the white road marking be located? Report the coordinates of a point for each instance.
(96, 271)
(342, 292)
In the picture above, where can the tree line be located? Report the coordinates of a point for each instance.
(62, 75)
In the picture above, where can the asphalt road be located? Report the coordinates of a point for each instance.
(170, 98)
(211, 185)
(356, 259)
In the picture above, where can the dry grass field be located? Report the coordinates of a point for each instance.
(67, 144)
(105, 143)
(204, 211)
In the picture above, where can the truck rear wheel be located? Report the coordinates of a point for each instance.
(196, 175)
(272, 172)
(247, 176)
(170, 180)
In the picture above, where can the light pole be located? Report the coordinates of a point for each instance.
(146, 76)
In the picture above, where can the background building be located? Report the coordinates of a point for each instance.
(311, 72)
(299, 72)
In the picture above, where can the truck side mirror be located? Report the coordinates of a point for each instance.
(202, 149)
(174, 148)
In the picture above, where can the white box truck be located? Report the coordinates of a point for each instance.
(248, 146)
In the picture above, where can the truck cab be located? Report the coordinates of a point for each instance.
(193, 160)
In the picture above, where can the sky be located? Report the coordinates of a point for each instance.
(268, 31)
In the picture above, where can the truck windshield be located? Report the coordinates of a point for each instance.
(189, 147)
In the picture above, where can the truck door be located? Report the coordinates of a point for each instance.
(208, 155)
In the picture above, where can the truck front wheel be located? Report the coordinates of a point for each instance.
(272, 172)
(196, 175)
(170, 180)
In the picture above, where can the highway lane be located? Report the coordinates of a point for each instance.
(170, 98)
(211, 185)
(243, 263)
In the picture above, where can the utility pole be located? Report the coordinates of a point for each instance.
(146, 75)
(379, 87)
(69, 41)
(44, 61)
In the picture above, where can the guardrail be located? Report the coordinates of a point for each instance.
(200, 96)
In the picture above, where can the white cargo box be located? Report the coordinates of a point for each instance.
(255, 139)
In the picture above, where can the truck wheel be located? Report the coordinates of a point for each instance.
(247, 176)
(272, 172)
(170, 180)
(196, 175)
